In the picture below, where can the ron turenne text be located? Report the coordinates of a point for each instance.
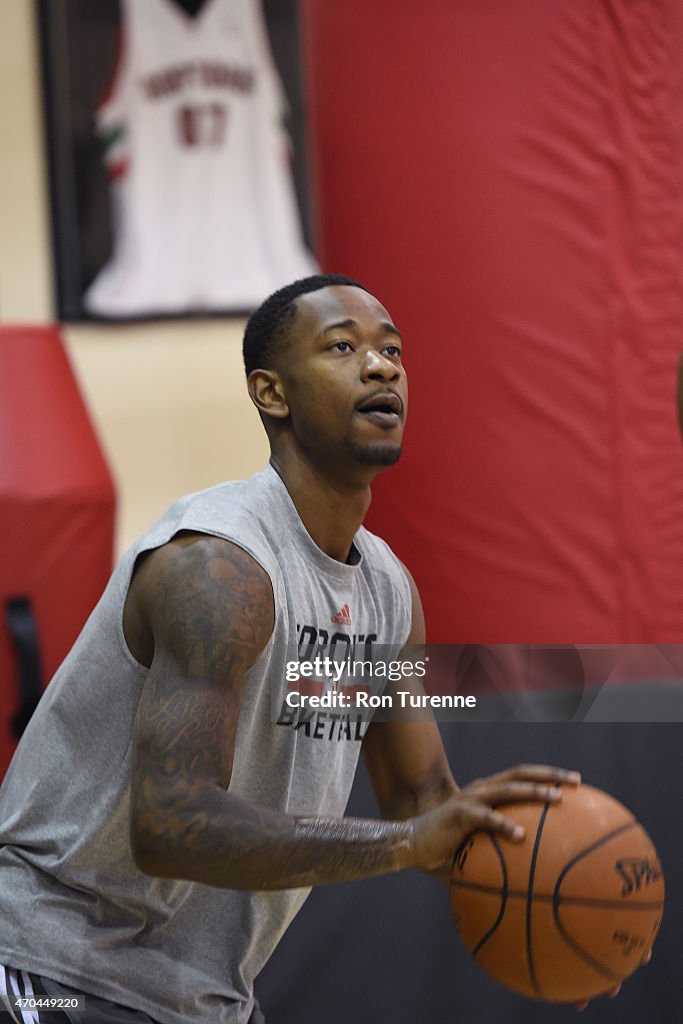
(359, 699)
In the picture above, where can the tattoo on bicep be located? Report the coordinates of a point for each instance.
(215, 609)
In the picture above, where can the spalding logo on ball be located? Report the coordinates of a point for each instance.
(571, 911)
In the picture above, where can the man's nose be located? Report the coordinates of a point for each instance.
(376, 366)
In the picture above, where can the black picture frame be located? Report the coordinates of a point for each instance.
(79, 45)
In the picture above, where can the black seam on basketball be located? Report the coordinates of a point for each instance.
(582, 954)
(532, 871)
(503, 891)
(557, 900)
(547, 897)
(594, 846)
(597, 904)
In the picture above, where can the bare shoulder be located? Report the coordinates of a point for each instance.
(197, 586)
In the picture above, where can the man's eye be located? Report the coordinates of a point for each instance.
(342, 346)
(393, 350)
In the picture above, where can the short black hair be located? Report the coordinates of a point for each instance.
(267, 326)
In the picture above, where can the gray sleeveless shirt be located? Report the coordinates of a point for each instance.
(73, 905)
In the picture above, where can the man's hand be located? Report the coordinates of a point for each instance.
(613, 992)
(440, 831)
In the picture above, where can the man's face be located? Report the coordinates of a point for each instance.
(344, 380)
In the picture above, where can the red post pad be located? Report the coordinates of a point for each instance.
(57, 504)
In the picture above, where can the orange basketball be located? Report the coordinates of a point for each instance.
(569, 912)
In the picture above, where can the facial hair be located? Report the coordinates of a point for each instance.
(371, 453)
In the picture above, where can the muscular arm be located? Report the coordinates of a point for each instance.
(406, 761)
(412, 779)
(209, 609)
(201, 611)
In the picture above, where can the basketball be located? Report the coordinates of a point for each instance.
(572, 910)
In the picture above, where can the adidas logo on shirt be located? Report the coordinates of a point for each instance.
(343, 617)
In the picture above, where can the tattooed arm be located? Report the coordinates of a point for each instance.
(199, 613)
(406, 761)
(412, 778)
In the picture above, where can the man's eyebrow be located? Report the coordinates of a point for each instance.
(392, 329)
(341, 324)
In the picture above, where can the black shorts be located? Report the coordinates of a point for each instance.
(33, 988)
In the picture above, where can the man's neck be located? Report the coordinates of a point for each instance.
(331, 511)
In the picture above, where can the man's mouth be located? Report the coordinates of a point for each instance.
(384, 408)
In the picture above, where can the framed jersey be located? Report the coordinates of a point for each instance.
(176, 140)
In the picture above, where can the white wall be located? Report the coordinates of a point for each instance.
(168, 400)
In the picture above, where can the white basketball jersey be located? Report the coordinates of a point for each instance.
(203, 207)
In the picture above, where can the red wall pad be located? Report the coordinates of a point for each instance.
(508, 179)
(56, 505)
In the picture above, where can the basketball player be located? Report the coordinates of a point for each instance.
(159, 826)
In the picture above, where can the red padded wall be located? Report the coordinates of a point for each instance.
(56, 503)
(508, 179)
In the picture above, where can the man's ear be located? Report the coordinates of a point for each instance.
(266, 391)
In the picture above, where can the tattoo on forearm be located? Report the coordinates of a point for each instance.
(236, 844)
